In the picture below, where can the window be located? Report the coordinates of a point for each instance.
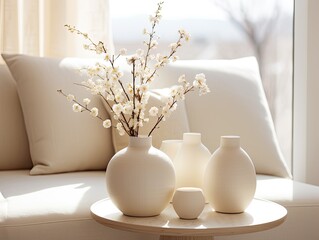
(224, 29)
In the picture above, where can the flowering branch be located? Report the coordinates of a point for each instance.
(79, 107)
(127, 102)
(97, 47)
(151, 43)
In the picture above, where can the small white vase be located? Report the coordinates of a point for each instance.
(190, 161)
(140, 179)
(171, 147)
(188, 202)
(230, 177)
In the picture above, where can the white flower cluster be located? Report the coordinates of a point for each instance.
(128, 102)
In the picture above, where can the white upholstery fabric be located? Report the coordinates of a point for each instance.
(50, 198)
(60, 140)
(302, 203)
(57, 206)
(86, 229)
(287, 192)
(14, 146)
(236, 106)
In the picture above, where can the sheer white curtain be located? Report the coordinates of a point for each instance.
(36, 27)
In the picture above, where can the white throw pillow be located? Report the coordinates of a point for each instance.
(60, 140)
(14, 146)
(237, 105)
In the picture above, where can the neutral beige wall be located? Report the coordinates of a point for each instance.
(306, 92)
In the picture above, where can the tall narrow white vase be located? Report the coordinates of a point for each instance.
(190, 161)
(230, 177)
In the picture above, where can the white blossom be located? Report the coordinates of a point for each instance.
(184, 34)
(204, 90)
(110, 97)
(120, 129)
(76, 107)
(107, 123)
(99, 48)
(131, 60)
(130, 89)
(153, 111)
(173, 45)
(95, 90)
(70, 97)
(117, 108)
(139, 107)
(128, 108)
(173, 107)
(123, 51)
(143, 88)
(175, 58)
(107, 57)
(199, 80)
(182, 79)
(178, 92)
(165, 110)
(140, 123)
(92, 71)
(94, 112)
(86, 101)
(153, 44)
(108, 85)
(145, 98)
(119, 97)
(161, 60)
(154, 19)
(200, 77)
(142, 115)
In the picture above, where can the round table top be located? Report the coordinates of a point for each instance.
(260, 215)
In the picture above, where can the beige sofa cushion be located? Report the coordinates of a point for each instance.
(60, 140)
(237, 105)
(55, 206)
(14, 146)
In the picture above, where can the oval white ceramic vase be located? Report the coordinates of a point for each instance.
(188, 202)
(171, 147)
(190, 161)
(230, 177)
(140, 179)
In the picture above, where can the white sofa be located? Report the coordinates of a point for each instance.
(52, 201)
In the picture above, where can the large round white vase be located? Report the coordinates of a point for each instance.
(190, 161)
(140, 179)
(230, 177)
